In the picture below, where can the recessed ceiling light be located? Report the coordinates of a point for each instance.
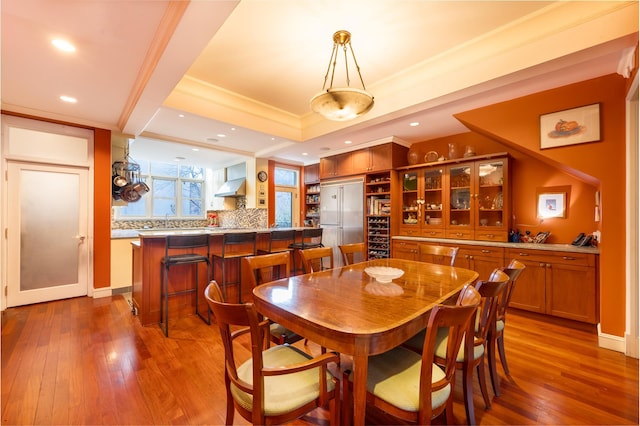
(347, 142)
(179, 159)
(69, 99)
(233, 128)
(195, 149)
(63, 45)
(304, 153)
(181, 115)
(221, 135)
(414, 124)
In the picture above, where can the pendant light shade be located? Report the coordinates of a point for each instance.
(341, 103)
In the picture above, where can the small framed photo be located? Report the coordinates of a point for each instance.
(552, 204)
(570, 127)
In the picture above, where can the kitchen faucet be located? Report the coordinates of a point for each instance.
(166, 220)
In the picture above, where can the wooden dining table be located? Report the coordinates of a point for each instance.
(346, 310)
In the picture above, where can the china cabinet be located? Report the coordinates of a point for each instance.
(461, 199)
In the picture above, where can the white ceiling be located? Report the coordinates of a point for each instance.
(234, 78)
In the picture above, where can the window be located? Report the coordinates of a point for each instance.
(176, 191)
(286, 191)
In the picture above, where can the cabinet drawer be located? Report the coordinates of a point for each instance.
(409, 232)
(484, 251)
(433, 233)
(567, 258)
(491, 236)
(460, 234)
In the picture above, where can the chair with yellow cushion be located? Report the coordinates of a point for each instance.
(276, 384)
(408, 384)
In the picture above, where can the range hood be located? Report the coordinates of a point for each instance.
(232, 188)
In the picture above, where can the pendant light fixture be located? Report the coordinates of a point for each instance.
(342, 103)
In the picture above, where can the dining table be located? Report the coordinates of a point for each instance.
(347, 310)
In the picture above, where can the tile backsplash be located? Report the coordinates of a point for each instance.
(239, 218)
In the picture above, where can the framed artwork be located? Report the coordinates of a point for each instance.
(552, 204)
(570, 127)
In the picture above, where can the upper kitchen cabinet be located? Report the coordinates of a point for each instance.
(460, 199)
(478, 199)
(376, 158)
(423, 198)
(312, 173)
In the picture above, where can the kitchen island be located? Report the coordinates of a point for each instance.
(147, 255)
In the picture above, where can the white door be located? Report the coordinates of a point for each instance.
(48, 251)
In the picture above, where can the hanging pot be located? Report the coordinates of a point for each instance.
(129, 194)
(119, 181)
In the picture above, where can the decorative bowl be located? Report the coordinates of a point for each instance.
(383, 274)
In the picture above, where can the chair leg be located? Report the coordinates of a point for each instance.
(467, 391)
(503, 357)
(483, 384)
(207, 320)
(165, 295)
(491, 360)
(346, 399)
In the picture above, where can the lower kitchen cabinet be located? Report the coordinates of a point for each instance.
(561, 284)
(482, 259)
(404, 249)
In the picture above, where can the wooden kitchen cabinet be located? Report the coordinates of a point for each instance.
(312, 173)
(377, 158)
(423, 198)
(335, 166)
(562, 284)
(403, 249)
(482, 259)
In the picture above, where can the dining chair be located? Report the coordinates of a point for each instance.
(276, 384)
(265, 268)
(353, 253)
(472, 353)
(317, 259)
(235, 246)
(441, 255)
(496, 336)
(408, 384)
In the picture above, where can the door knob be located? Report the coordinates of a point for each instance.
(80, 237)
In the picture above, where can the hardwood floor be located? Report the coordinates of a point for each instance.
(88, 361)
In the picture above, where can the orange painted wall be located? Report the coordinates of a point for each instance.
(513, 126)
(102, 209)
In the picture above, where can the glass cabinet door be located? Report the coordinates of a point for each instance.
(490, 194)
(460, 196)
(410, 200)
(432, 197)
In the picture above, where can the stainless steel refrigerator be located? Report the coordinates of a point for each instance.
(342, 214)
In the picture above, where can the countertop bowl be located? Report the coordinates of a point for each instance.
(384, 274)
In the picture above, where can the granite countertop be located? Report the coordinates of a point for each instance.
(163, 232)
(547, 247)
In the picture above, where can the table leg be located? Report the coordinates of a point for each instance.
(360, 366)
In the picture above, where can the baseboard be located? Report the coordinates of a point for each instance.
(101, 292)
(633, 346)
(609, 341)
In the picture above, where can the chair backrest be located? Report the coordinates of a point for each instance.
(311, 237)
(245, 239)
(353, 253)
(437, 254)
(267, 267)
(513, 270)
(228, 317)
(282, 238)
(181, 242)
(456, 319)
(316, 259)
(491, 291)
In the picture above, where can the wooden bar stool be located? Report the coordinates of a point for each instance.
(311, 238)
(280, 241)
(235, 246)
(182, 243)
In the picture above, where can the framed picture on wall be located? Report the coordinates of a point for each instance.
(551, 204)
(570, 127)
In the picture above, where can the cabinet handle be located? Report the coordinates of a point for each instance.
(490, 236)
(470, 257)
(486, 251)
(523, 254)
(459, 234)
(568, 258)
(542, 265)
(548, 265)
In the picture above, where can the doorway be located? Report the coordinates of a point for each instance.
(47, 209)
(287, 205)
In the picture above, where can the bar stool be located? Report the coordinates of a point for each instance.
(182, 243)
(235, 246)
(280, 241)
(311, 238)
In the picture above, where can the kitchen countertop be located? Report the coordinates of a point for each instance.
(548, 247)
(163, 232)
